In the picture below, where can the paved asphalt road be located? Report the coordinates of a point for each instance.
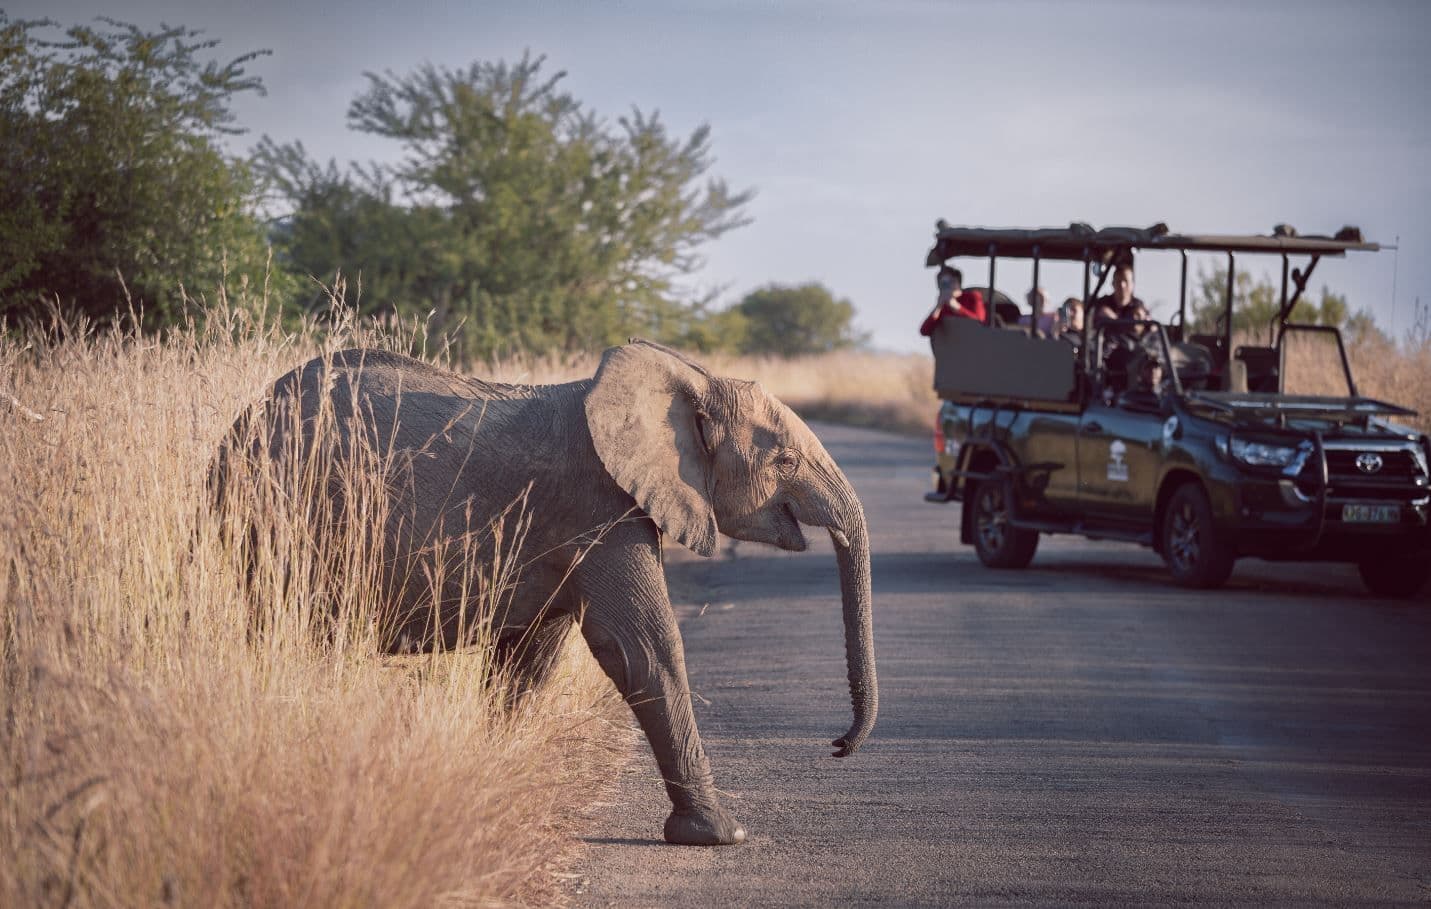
(1078, 732)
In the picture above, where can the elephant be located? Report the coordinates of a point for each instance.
(653, 446)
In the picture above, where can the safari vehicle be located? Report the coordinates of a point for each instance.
(1135, 431)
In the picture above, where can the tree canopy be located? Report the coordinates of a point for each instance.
(1255, 304)
(791, 320)
(112, 183)
(515, 210)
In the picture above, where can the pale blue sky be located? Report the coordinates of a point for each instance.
(859, 124)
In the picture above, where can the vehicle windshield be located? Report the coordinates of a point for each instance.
(1135, 363)
(1313, 363)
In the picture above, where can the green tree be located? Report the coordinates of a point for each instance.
(1255, 303)
(790, 320)
(112, 183)
(515, 210)
(709, 330)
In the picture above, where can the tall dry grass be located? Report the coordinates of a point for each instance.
(1400, 374)
(156, 750)
(858, 388)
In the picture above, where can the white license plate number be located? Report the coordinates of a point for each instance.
(1371, 514)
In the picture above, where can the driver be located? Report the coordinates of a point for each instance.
(1147, 373)
(1145, 379)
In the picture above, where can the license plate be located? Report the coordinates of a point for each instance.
(1371, 514)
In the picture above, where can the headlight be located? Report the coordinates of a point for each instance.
(1261, 454)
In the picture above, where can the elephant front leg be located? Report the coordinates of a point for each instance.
(640, 649)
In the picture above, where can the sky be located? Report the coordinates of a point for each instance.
(858, 124)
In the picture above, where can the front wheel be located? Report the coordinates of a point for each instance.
(1191, 548)
(1395, 576)
(999, 544)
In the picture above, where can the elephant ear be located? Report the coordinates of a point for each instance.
(642, 411)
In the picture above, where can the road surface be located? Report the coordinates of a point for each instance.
(1077, 732)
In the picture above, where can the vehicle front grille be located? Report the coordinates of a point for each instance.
(1398, 480)
(1395, 465)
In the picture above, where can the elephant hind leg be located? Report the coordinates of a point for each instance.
(526, 659)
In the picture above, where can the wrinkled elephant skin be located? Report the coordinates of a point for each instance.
(652, 446)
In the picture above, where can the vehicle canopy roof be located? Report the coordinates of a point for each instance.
(1079, 241)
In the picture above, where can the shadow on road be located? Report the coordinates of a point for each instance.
(934, 572)
(624, 841)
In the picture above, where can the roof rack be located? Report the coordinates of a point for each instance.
(1077, 241)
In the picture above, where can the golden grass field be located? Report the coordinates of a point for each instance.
(151, 755)
(152, 752)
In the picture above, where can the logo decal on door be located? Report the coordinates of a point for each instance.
(1117, 461)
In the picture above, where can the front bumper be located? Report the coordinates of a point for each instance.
(1274, 519)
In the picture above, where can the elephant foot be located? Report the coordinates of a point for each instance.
(703, 827)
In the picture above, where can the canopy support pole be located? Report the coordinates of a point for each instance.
(1087, 310)
(1227, 326)
(1035, 301)
(1183, 299)
(989, 303)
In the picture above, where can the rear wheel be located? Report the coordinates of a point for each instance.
(999, 544)
(1191, 547)
(1395, 576)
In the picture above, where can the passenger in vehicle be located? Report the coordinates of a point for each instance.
(954, 301)
(1070, 320)
(1038, 309)
(1121, 303)
(1145, 381)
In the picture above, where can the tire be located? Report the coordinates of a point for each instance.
(1400, 577)
(1194, 554)
(997, 544)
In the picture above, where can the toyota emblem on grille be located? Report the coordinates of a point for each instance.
(1368, 462)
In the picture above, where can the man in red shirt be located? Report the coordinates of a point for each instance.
(951, 291)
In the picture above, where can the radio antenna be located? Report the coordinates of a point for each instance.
(1395, 261)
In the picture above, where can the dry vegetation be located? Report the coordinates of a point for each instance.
(152, 753)
(858, 388)
(1400, 374)
(881, 391)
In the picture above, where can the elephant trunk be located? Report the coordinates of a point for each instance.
(852, 553)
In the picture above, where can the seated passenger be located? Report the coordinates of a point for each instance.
(1038, 309)
(970, 303)
(1070, 320)
(1121, 303)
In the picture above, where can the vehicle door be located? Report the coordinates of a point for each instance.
(1120, 440)
(1050, 442)
(1119, 457)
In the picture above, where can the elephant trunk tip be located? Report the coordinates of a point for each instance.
(851, 741)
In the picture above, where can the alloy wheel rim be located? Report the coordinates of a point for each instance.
(992, 519)
(1183, 541)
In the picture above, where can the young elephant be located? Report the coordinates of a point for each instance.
(653, 445)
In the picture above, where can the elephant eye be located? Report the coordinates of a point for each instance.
(786, 461)
(701, 419)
